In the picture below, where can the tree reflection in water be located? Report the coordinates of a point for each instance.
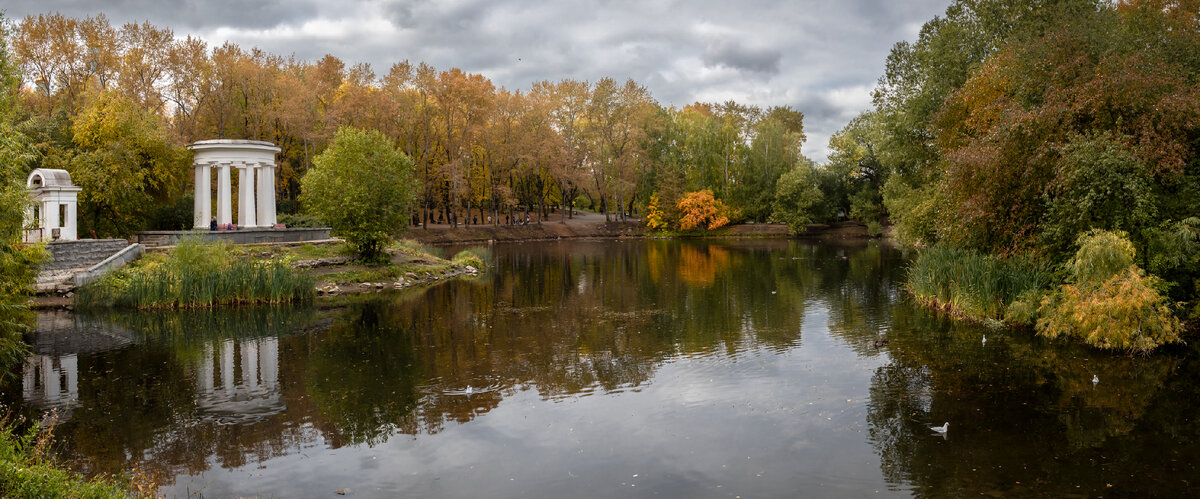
(183, 392)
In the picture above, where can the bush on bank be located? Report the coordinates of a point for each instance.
(1107, 301)
(27, 472)
(1110, 302)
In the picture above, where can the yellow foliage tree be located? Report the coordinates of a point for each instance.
(655, 218)
(1112, 303)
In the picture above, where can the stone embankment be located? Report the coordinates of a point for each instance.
(68, 259)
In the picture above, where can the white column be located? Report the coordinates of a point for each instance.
(202, 213)
(29, 381)
(29, 219)
(50, 216)
(246, 212)
(51, 384)
(266, 195)
(224, 208)
(70, 368)
(70, 230)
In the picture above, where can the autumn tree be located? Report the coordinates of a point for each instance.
(125, 162)
(701, 210)
(1081, 117)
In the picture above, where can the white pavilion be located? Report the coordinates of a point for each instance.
(55, 204)
(255, 163)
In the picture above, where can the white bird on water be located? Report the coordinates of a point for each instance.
(985, 340)
(941, 430)
(469, 390)
(1095, 379)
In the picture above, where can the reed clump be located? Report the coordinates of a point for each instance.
(973, 285)
(469, 258)
(198, 274)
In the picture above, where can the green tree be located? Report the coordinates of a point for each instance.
(796, 196)
(921, 75)
(363, 187)
(17, 260)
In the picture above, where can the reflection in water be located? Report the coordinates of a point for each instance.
(251, 391)
(590, 363)
(52, 381)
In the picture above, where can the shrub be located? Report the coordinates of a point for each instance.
(655, 217)
(796, 196)
(298, 220)
(27, 471)
(466, 257)
(1111, 304)
(874, 228)
(1101, 255)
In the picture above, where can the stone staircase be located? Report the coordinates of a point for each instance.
(68, 258)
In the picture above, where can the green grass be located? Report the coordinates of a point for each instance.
(294, 252)
(417, 250)
(199, 275)
(971, 284)
(27, 471)
(470, 257)
(370, 274)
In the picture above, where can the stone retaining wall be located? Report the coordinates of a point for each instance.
(241, 236)
(80, 254)
(114, 262)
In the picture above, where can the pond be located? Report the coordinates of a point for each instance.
(752, 368)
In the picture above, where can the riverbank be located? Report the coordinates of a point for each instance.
(330, 264)
(592, 226)
(410, 266)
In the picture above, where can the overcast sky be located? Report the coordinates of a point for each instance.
(820, 57)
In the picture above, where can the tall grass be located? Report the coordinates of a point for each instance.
(471, 257)
(971, 284)
(199, 275)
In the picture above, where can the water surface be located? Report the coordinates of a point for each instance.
(614, 369)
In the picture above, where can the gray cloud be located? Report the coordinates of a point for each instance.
(732, 54)
(178, 15)
(819, 57)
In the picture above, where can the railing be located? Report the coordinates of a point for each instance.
(33, 235)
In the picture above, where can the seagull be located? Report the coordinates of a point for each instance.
(1095, 379)
(469, 390)
(941, 430)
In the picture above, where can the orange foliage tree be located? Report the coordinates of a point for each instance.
(701, 209)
